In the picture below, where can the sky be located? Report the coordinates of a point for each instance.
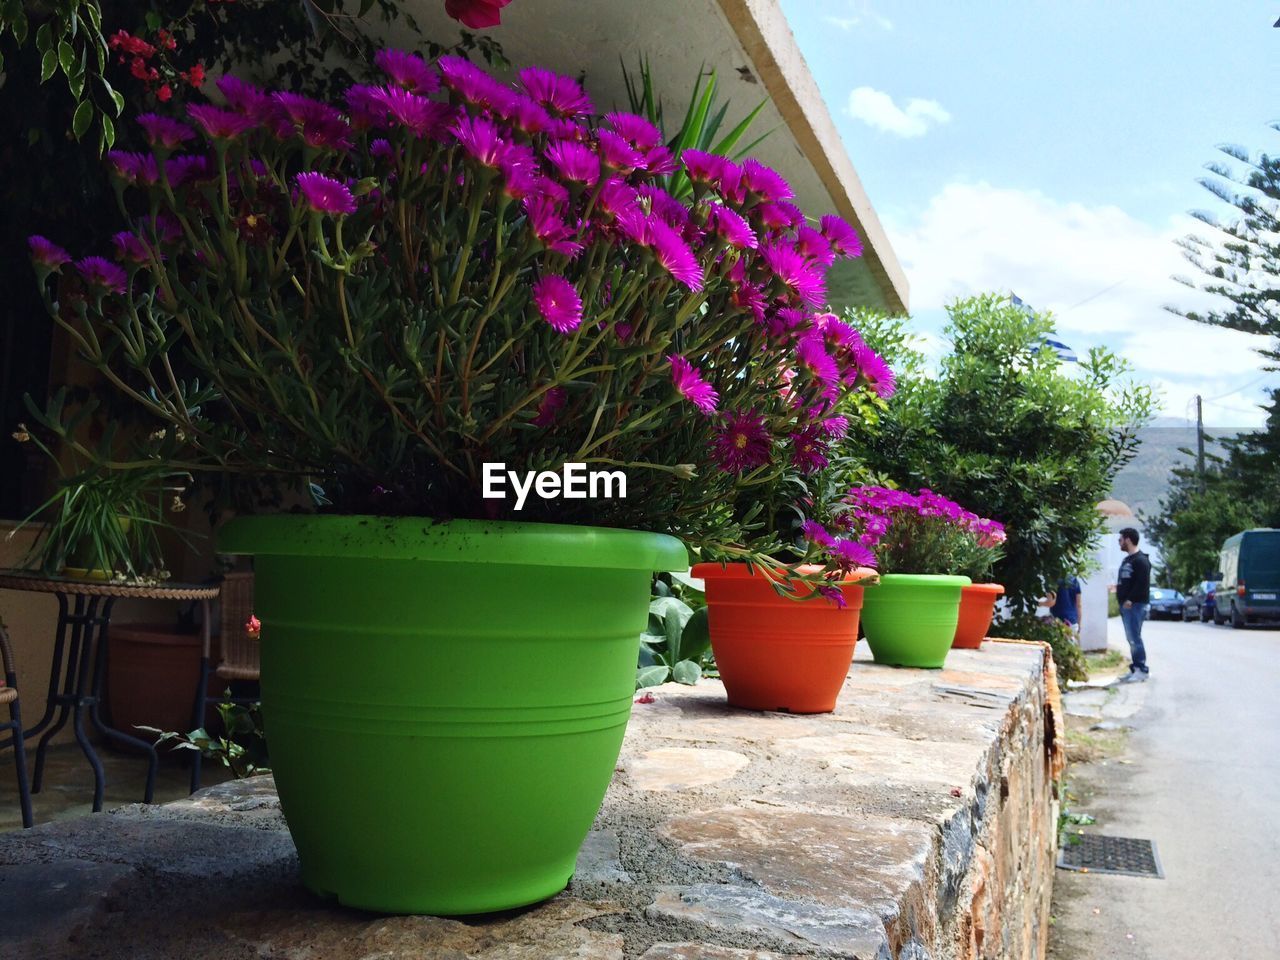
(1054, 150)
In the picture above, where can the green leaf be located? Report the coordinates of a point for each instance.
(108, 138)
(117, 98)
(153, 20)
(44, 36)
(664, 607)
(48, 65)
(651, 677)
(730, 139)
(19, 27)
(687, 672)
(82, 119)
(695, 641)
(93, 15)
(66, 57)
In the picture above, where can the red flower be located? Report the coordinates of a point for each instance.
(164, 93)
(476, 14)
(127, 42)
(138, 67)
(166, 39)
(195, 76)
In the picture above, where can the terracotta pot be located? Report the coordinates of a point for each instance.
(775, 653)
(152, 672)
(977, 606)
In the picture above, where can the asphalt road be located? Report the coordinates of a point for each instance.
(1200, 777)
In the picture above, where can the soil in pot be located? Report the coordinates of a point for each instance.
(776, 653)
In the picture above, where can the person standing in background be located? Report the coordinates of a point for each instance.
(1066, 603)
(1133, 593)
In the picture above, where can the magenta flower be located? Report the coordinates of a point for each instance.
(46, 253)
(666, 244)
(617, 153)
(186, 168)
(324, 194)
(690, 385)
(134, 167)
(874, 372)
(795, 273)
(837, 427)
(476, 14)
(253, 102)
(836, 332)
(574, 161)
(130, 247)
(408, 71)
(520, 171)
(765, 182)
(558, 302)
(560, 95)
(616, 196)
(809, 450)
(548, 227)
(732, 228)
(552, 403)
(164, 131)
(481, 139)
(742, 443)
(423, 117)
(476, 86)
(638, 131)
(811, 353)
(749, 296)
(850, 554)
(319, 124)
(702, 167)
(815, 532)
(219, 124)
(664, 205)
(779, 216)
(660, 161)
(102, 273)
(526, 115)
(842, 237)
(814, 246)
(834, 594)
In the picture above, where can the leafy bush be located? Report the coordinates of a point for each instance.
(676, 644)
(1008, 430)
(1067, 655)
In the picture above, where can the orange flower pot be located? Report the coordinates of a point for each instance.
(774, 653)
(977, 606)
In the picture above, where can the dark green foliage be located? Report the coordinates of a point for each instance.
(1067, 656)
(1010, 432)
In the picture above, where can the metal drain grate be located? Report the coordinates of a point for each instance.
(1094, 853)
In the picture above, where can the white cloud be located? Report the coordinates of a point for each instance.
(1105, 275)
(877, 109)
(859, 13)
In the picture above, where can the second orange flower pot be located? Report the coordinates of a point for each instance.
(977, 606)
(775, 653)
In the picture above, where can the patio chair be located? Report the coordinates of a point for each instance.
(9, 695)
(238, 658)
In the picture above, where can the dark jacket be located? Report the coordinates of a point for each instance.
(1134, 582)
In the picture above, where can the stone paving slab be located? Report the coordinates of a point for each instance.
(911, 823)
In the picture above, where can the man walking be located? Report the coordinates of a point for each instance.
(1133, 593)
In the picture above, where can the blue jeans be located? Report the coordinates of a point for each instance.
(1132, 618)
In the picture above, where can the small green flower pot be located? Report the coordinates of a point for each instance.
(910, 618)
(445, 702)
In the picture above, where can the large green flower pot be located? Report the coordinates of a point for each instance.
(444, 703)
(910, 618)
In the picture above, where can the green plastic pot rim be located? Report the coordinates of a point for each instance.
(922, 580)
(469, 541)
(739, 570)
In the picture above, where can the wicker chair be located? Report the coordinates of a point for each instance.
(238, 654)
(9, 695)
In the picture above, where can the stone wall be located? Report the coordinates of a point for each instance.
(915, 823)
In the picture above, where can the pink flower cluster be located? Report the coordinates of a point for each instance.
(580, 183)
(874, 508)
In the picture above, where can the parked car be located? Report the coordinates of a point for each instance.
(1250, 578)
(1166, 604)
(1200, 601)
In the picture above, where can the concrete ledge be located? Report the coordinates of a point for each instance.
(916, 822)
